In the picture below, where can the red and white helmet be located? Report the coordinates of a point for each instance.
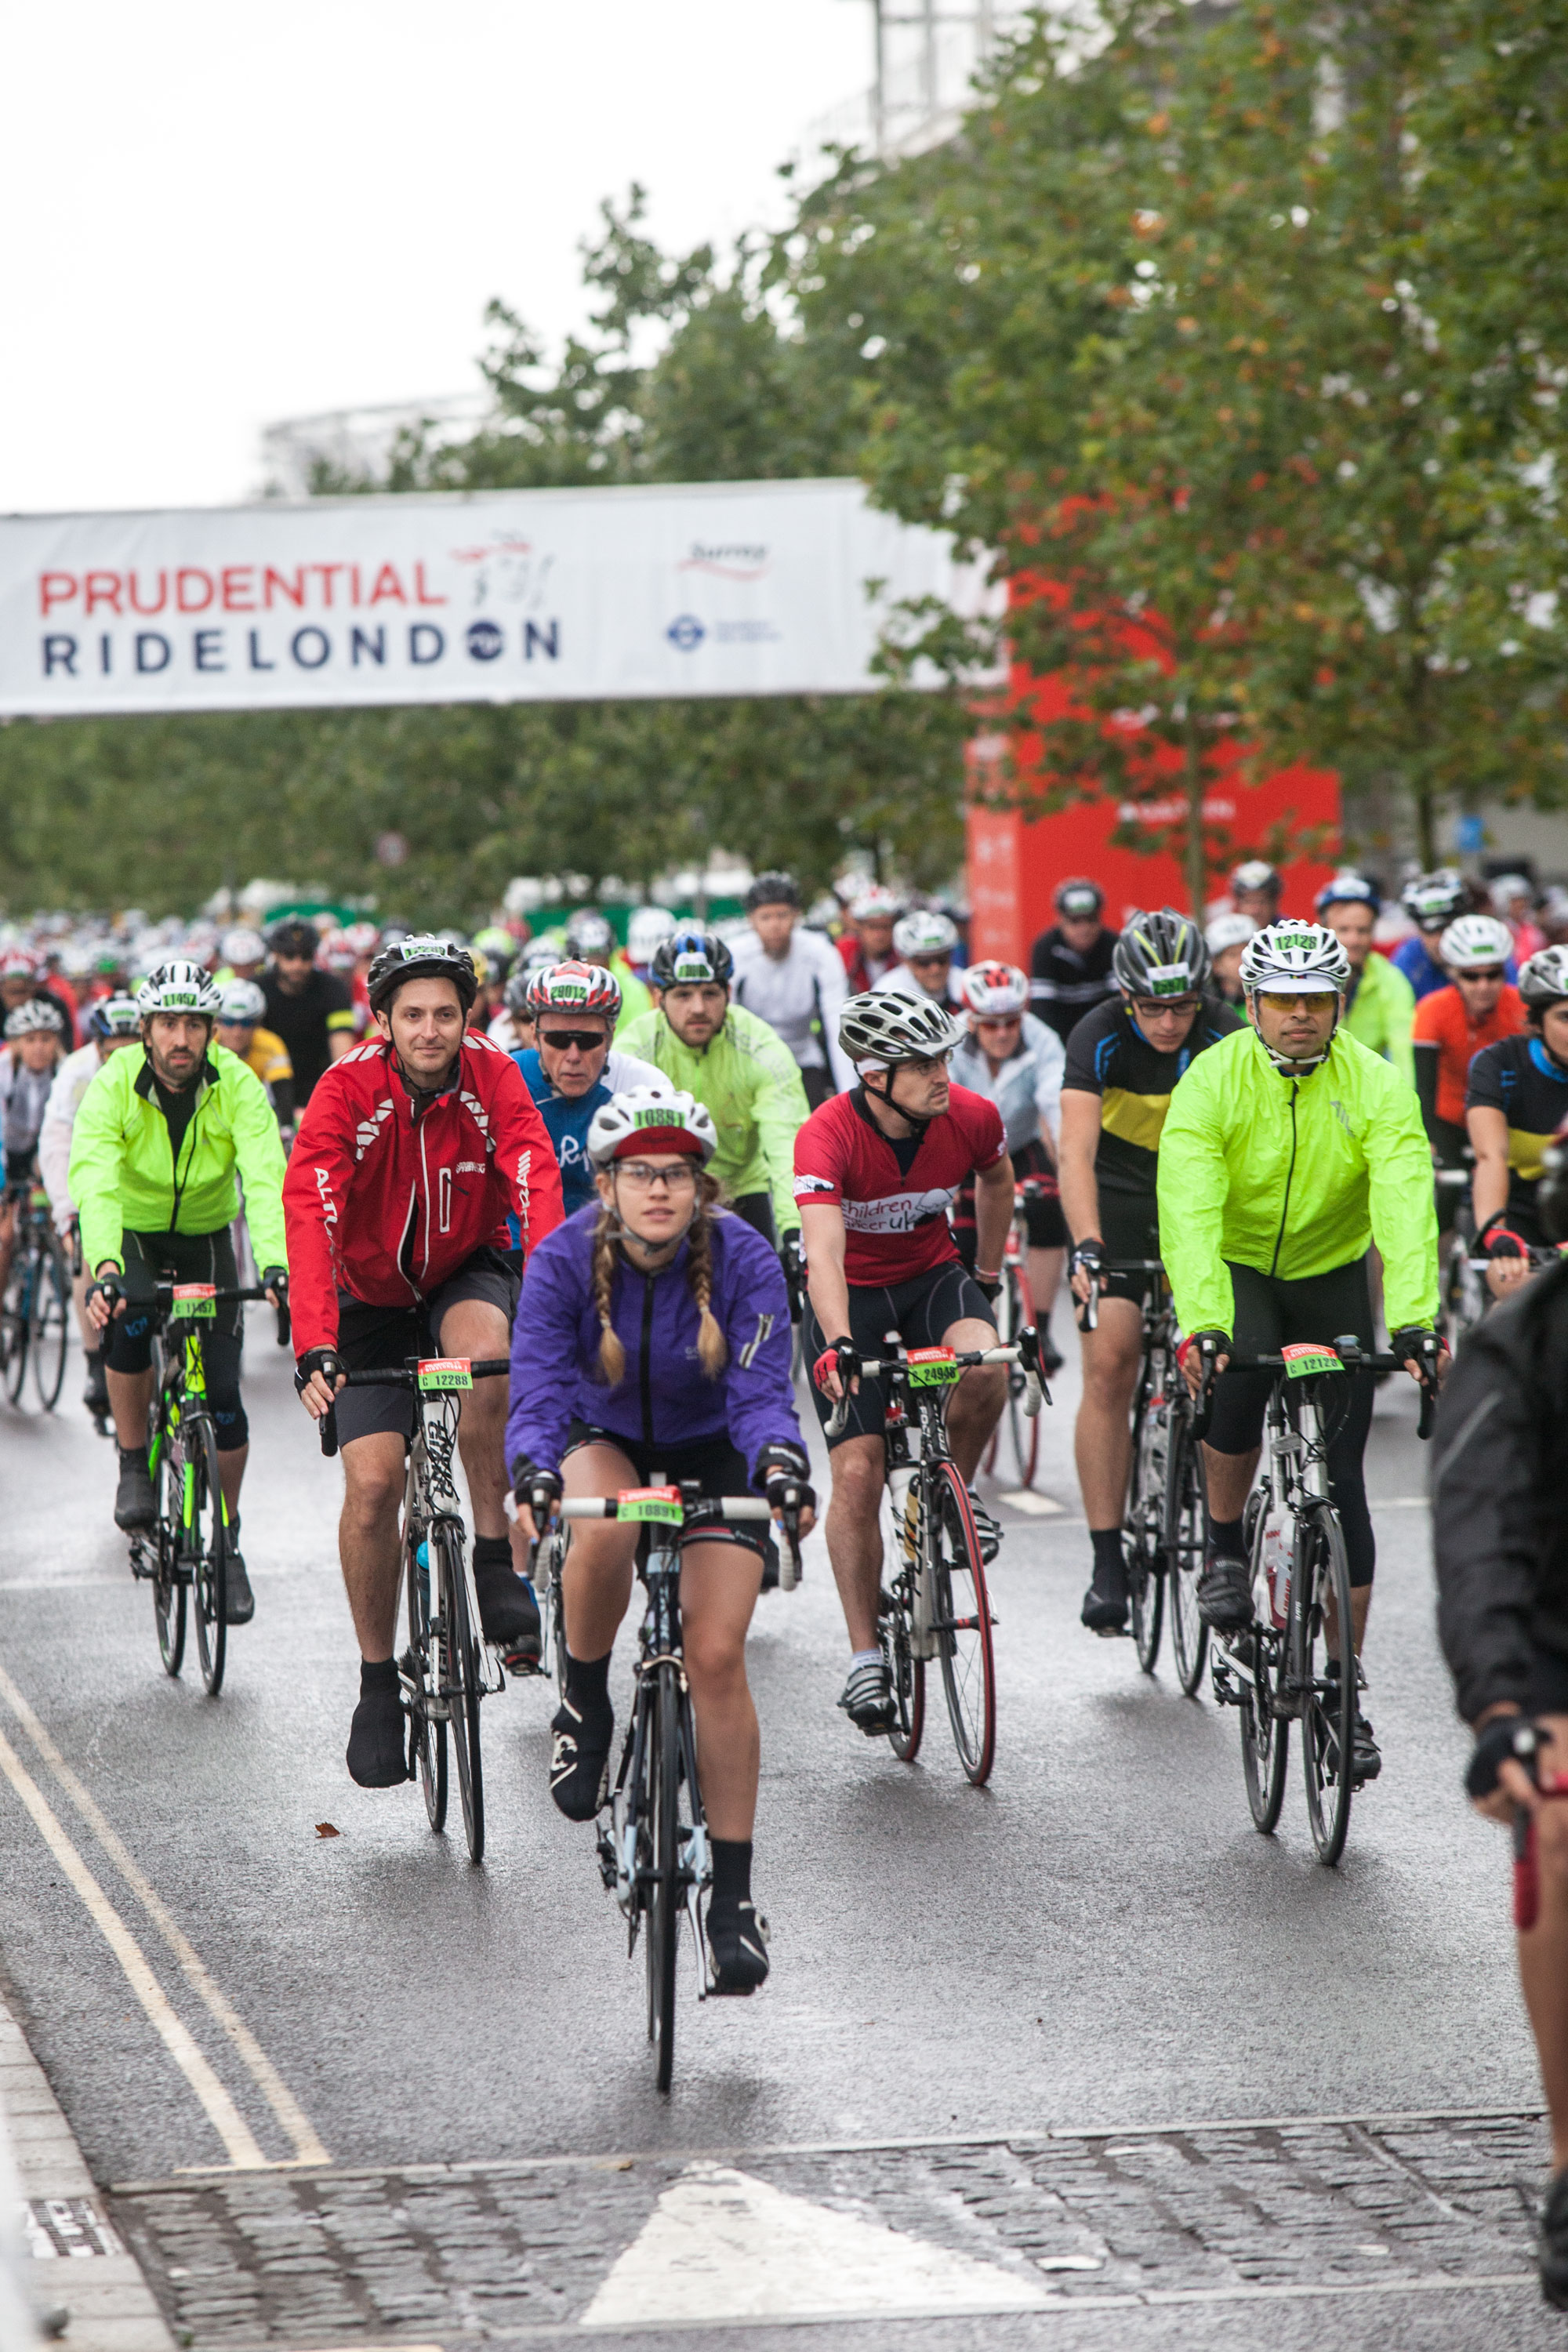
(18, 963)
(652, 1118)
(575, 988)
(363, 937)
(873, 903)
(995, 990)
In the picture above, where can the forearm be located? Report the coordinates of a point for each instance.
(822, 1234)
(1080, 1193)
(992, 1215)
(1488, 1192)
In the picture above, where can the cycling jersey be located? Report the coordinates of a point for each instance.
(268, 1057)
(895, 1196)
(388, 1192)
(1294, 1177)
(798, 995)
(568, 1119)
(1447, 1041)
(1108, 1056)
(747, 1079)
(72, 1078)
(862, 972)
(1379, 1010)
(24, 1096)
(322, 1009)
(1530, 1086)
(1065, 985)
(1027, 1089)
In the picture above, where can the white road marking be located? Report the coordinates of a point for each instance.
(721, 2245)
(1037, 1506)
(223, 2116)
(307, 2147)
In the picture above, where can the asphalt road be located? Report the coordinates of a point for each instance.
(1099, 1940)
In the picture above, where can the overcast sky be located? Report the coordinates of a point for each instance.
(218, 216)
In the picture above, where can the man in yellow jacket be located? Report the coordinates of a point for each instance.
(1288, 1150)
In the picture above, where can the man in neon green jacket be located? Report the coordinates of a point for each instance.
(1379, 1003)
(1288, 1149)
(159, 1137)
(735, 1064)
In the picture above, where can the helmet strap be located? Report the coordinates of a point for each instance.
(918, 1121)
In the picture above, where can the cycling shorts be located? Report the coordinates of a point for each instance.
(370, 1336)
(920, 1311)
(1130, 1227)
(152, 1258)
(1270, 1314)
(714, 1462)
(1044, 1225)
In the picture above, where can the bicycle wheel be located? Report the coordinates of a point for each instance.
(1320, 1576)
(205, 1536)
(962, 1621)
(661, 1898)
(460, 1681)
(52, 1323)
(426, 1732)
(906, 1673)
(1145, 1505)
(1184, 1552)
(1465, 1297)
(1022, 1427)
(168, 1585)
(16, 1318)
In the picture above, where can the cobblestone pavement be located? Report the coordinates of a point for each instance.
(456, 2256)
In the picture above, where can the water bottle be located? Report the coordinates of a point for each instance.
(1276, 1573)
(904, 1496)
(422, 1562)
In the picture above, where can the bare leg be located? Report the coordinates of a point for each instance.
(1228, 1477)
(129, 1395)
(1044, 1280)
(976, 1404)
(855, 1534)
(597, 1581)
(231, 1472)
(477, 1330)
(719, 1588)
(1103, 1436)
(368, 1537)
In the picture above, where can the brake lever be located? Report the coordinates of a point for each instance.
(328, 1426)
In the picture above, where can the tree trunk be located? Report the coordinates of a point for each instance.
(1426, 826)
(1197, 859)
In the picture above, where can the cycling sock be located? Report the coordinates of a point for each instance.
(864, 1658)
(1226, 1539)
(588, 1681)
(1107, 1542)
(376, 1674)
(731, 1870)
(491, 1552)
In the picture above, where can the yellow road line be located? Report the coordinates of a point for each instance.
(223, 2116)
(308, 2148)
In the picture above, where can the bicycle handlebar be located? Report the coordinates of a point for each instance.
(1352, 1360)
(1025, 1352)
(399, 1376)
(608, 1507)
(1090, 1320)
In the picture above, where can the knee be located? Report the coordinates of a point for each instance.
(983, 1390)
(230, 1421)
(856, 1484)
(371, 1496)
(715, 1659)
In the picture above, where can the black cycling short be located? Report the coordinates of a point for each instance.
(152, 1258)
(714, 1462)
(920, 1311)
(1130, 1228)
(1270, 1314)
(371, 1337)
(1044, 1224)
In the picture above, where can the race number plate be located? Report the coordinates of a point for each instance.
(932, 1368)
(1304, 1357)
(661, 1502)
(443, 1372)
(195, 1298)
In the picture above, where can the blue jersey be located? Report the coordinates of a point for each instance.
(567, 1118)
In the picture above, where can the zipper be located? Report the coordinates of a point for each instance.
(179, 1183)
(645, 1378)
(1290, 1179)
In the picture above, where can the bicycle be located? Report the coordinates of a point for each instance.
(1276, 1670)
(186, 1549)
(443, 1671)
(1014, 1313)
(1465, 1297)
(936, 1603)
(654, 1856)
(35, 1316)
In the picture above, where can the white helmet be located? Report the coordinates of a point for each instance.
(179, 986)
(37, 1015)
(645, 929)
(1544, 978)
(241, 1001)
(637, 1119)
(993, 991)
(882, 1025)
(1229, 932)
(243, 946)
(923, 932)
(1474, 943)
(1295, 956)
(872, 901)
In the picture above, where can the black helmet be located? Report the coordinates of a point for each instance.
(773, 889)
(689, 955)
(1432, 900)
(421, 957)
(1162, 954)
(295, 937)
(1077, 898)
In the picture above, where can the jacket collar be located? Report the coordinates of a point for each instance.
(144, 1079)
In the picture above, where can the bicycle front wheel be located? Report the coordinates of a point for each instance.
(205, 1540)
(17, 1322)
(962, 1621)
(427, 1732)
(52, 1323)
(1142, 1547)
(906, 1673)
(1321, 1580)
(661, 1895)
(1184, 1552)
(169, 1586)
(461, 1683)
(1022, 1428)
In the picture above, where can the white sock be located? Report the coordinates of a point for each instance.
(864, 1658)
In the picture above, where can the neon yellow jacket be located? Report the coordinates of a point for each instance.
(1381, 1016)
(122, 1171)
(1295, 1176)
(637, 997)
(751, 1082)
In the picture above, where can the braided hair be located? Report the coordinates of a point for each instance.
(711, 1346)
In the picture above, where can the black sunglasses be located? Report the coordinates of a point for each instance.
(558, 1040)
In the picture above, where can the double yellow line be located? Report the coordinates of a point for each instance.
(244, 2150)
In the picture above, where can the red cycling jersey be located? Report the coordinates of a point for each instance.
(388, 1192)
(895, 1209)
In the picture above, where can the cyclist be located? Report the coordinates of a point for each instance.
(412, 1155)
(572, 1070)
(499, 948)
(1288, 1151)
(736, 1065)
(1513, 898)
(311, 1011)
(591, 939)
(876, 1172)
(1517, 1099)
(925, 941)
(1255, 889)
(160, 1135)
(654, 1342)
(242, 954)
(645, 927)
(112, 1021)
(1432, 901)
(793, 980)
(241, 1007)
(1224, 939)
(22, 982)
(1381, 1003)
(1016, 1062)
(1070, 966)
(36, 1035)
(1123, 1060)
(1452, 1025)
(867, 949)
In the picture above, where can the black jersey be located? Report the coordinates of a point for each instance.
(322, 1007)
(1108, 1056)
(1530, 1086)
(1065, 985)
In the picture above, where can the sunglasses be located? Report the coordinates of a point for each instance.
(1495, 973)
(586, 1040)
(1277, 1001)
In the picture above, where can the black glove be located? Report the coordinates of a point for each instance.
(276, 1279)
(1500, 1241)
(840, 1355)
(110, 1287)
(1413, 1346)
(1511, 1735)
(792, 1257)
(1087, 1256)
(325, 1361)
(989, 1286)
(533, 1490)
(784, 1473)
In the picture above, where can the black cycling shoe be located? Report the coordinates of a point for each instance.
(509, 1613)
(1225, 1594)
(240, 1602)
(1366, 1756)
(1104, 1607)
(867, 1698)
(135, 1504)
(738, 1944)
(580, 1759)
(1552, 2244)
(378, 1739)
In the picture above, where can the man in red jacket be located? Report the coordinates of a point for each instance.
(414, 1151)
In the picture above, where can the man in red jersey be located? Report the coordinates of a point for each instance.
(876, 1172)
(414, 1151)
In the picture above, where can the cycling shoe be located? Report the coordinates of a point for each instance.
(867, 1698)
(1225, 1594)
(738, 1946)
(240, 1601)
(1104, 1607)
(1552, 2245)
(378, 1738)
(579, 1760)
(509, 1613)
(135, 1504)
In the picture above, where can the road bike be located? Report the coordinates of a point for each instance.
(653, 1855)
(447, 1666)
(186, 1549)
(35, 1314)
(1014, 1313)
(1279, 1670)
(1464, 1295)
(934, 1603)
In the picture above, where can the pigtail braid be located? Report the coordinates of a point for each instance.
(612, 1355)
(711, 1346)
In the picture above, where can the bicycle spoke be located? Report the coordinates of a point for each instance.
(962, 1621)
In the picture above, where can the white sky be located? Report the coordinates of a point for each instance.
(218, 216)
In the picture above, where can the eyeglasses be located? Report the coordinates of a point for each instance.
(1277, 1001)
(642, 1178)
(586, 1040)
(1150, 1008)
(998, 1020)
(1464, 977)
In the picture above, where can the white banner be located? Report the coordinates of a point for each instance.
(502, 596)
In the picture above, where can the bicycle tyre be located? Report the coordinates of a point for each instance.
(1024, 1428)
(51, 1322)
(962, 1621)
(662, 1903)
(460, 1685)
(168, 1586)
(1320, 1571)
(426, 1732)
(18, 1320)
(906, 1673)
(1184, 1539)
(1141, 1549)
(207, 1550)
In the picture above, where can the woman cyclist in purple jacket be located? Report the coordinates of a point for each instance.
(652, 1343)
